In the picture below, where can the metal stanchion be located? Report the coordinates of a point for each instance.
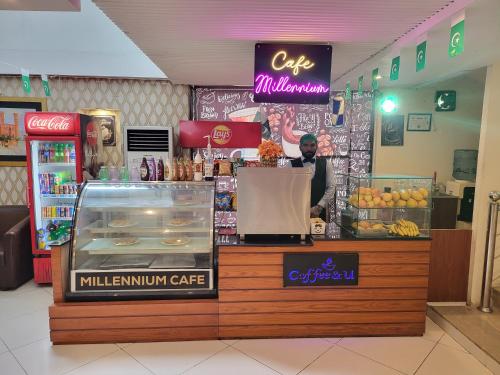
(490, 252)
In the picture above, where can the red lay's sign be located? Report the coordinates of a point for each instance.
(224, 134)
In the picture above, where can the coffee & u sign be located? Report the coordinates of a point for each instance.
(320, 269)
(223, 134)
(292, 73)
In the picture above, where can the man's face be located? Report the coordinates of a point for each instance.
(308, 149)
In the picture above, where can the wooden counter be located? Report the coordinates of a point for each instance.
(389, 300)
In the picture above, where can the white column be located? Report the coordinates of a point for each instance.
(488, 179)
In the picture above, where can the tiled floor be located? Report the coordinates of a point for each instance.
(26, 349)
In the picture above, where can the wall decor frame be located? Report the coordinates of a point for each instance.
(12, 133)
(419, 122)
(392, 130)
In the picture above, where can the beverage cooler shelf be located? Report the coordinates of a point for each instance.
(62, 196)
(58, 218)
(56, 164)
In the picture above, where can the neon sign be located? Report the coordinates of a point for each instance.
(301, 62)
(292, 73)
(320, 269)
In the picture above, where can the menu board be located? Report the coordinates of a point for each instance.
(344, 129)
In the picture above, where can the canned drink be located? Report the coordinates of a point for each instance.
(53, 211)
(66, 189)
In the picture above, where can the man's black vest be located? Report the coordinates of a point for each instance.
(318, 183)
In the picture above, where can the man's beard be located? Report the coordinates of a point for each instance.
(308, 154)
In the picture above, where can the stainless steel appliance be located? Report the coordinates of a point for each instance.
(274, 201)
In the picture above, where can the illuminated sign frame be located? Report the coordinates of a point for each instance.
(292, 73)
(320, 269)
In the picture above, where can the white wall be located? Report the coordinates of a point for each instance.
(426, 152)
(488, 179)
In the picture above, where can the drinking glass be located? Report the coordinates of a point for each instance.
(124, 176)
(113, 173)
(104, 173)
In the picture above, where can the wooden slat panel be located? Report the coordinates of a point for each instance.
(364, 270)
(449, 265)
(133, 308)
(337, 246)
(383, 258)
(322, 306)
(321, 294)
(59, 266)
(133, 335)
(336, 330)
(320, 318)
(135, 322)
(363, 282)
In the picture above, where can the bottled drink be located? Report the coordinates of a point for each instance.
(209, 168)
(160, 170)
(46, 157)
(72, 154)
(52, 152)
(198, 167)
(144, 169)
(182, 170)
(175, 171)
(41, 152)
(66, 154)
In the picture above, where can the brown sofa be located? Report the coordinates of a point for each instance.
(16, 260)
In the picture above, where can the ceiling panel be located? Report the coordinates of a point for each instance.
(211, 42)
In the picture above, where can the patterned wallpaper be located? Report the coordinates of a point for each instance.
(140, 103)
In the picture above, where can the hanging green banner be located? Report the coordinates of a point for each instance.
(348, 92)
(395, 69)
(25, 79)
(375, 79)
(45, 84)
(456, 45)
(421, 55)
(360, 85)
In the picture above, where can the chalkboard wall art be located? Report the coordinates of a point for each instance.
(392, 130)
(344, 129)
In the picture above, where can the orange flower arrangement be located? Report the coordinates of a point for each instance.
(270, 150)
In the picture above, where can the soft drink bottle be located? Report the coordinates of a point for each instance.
(72, 154)
(46, 153)
(52, 152)
(66, 154)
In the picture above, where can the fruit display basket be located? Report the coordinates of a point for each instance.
(386, 206)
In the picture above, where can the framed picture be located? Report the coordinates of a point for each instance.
(107, 125)
(12, 133)
(108, 121)
(393, 128)
(419, 122)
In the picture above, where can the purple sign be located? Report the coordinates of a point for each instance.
(292, 73)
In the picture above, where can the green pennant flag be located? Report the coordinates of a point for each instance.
(456, 44)
(45, 84)
(25, 79)
(421, 55)
(395, 69)
(360, 85)
(374, 79)
(348, 92)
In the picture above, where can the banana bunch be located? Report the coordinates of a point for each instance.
(404, 228)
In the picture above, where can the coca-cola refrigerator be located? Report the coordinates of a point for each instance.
(62, 150)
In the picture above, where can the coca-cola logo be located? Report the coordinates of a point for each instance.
(58, 122)
(221, 134)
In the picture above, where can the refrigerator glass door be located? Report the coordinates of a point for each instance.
(54, 189)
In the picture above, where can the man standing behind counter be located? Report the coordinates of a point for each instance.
(323, 182)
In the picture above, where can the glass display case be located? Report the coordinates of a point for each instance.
(386, 206)
(140, 239)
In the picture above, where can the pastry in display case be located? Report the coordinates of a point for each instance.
(386, 206)
(142, 239)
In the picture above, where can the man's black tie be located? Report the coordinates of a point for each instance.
(310, 160)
